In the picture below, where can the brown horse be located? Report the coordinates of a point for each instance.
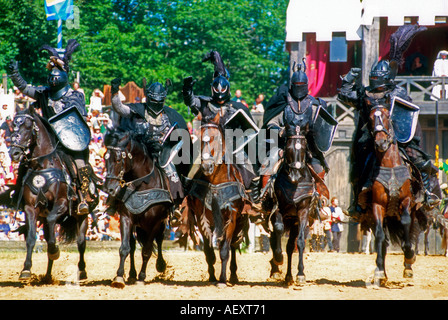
(297, 189)
(216, 201)
(143, 200)
(390, 202)
(47, 193)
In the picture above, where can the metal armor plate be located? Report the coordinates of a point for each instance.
(404, 118)
(71, 129)
(324, 128)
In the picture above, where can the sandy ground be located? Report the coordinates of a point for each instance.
(330, 276)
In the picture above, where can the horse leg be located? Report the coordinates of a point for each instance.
(160, 263)
(224, 253)
(409, 256)
(210, 257)
(81, 241)
(53, 252)
(132, 270)
(427, 240)
(380, 245)
(30, 239)
(233, 266)
(301, 246)
(125, 231)
(147, 241)
(275, 241)
(290, 246)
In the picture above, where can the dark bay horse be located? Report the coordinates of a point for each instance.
(297, 192)
(143, 201)
(216, 201)
(48, 195)
(390, 202)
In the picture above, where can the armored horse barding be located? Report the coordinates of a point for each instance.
(142, 198)
(47, 190)
(392, 199)
(297, 192)
(216, 200)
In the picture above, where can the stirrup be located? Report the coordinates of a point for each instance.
(83, 208)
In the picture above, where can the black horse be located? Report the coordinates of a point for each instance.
(48, 195)
(142, 198)
(297, 190)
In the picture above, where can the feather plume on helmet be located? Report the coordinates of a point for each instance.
(216, 60)
(399, 43)
(56, 61)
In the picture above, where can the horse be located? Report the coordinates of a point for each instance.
(391, 201)
(48, 194)
(436, 221)
(216, 200)
(142, 198)
(297, 190)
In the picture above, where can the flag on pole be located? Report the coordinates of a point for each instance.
(59, 9)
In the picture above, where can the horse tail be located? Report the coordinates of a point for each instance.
(217, 218)
(69, 229)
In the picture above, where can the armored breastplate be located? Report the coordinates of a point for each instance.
(296, 116)
(70, 99)
(152, 129)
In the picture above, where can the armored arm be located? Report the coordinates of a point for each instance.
(19, 82)
(120, 108)
(348, 93)
(190, 99)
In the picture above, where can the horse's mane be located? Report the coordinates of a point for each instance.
(114, 136)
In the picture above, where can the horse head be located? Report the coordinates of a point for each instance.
(381, 128)
(118, 159)
(212, 145)
(295, 153)
(25, 134)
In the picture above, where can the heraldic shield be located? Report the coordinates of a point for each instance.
(71, 129)
(324, 128)
(404, 117)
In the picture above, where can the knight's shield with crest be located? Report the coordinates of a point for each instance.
(71, 129)
(404, 118)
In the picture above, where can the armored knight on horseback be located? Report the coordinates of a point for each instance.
(294, 108)
(152, 123)
(383, 91)
(220, 102)
(65, 110)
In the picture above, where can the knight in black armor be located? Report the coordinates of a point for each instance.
(219, 101)
(381, 91)
(56, 98)
(295, 107)
(152, 122)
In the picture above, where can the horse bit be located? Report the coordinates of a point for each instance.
(123, 157)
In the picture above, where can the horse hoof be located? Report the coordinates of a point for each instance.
(161, 266)
(277, 276)
(221, 285)
(289, 281)
(118, 283)
(82, 275)
(379, 279)
(132, 280)
(408, 274)
(54, 256)
(233, 279)
(300, 279)
(25, 275)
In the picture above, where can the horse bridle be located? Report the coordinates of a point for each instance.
(378, 125)
(206, 139)
(296, 164)
(18, 122)
(124, 154)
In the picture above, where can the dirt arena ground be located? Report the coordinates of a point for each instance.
(330, 276)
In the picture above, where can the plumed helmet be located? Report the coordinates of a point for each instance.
(299, 81)
(220, 89)
(380, 76)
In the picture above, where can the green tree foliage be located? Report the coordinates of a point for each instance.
(156, 40)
